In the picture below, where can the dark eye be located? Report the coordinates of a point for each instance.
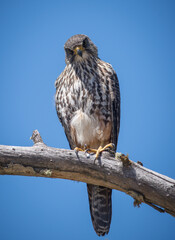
(69, 51)
(85, 43)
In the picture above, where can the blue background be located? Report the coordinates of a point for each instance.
(138, 39)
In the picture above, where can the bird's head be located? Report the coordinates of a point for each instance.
(78, 48)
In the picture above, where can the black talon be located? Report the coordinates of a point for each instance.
(113, 146)
(85, 146)
(76, 152)
(88, 149)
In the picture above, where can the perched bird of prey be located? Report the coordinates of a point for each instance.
(88, 106)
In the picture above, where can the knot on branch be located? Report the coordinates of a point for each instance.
(138, 197)
(124, 158)
(36, 137)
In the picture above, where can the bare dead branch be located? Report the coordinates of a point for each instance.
(144, 185)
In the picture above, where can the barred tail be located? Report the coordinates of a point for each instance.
(100, 208)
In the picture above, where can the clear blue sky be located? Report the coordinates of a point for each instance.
(138, 39)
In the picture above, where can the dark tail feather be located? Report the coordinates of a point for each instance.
(100, 208)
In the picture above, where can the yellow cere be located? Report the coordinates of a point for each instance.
(78, 48)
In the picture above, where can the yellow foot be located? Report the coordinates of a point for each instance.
(100, 149)
(77, 149)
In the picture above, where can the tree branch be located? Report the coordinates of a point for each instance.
(119, 173)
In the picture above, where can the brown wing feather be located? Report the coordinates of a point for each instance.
(115, 110)
(67, 131)
(60, 98)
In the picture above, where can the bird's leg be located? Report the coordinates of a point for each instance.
(100, 149)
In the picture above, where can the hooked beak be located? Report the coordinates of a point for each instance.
(79, 50)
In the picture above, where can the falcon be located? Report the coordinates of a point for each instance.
(87, 102)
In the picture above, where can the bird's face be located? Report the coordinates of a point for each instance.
(78, 48)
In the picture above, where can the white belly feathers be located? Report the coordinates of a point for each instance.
(86, 128)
